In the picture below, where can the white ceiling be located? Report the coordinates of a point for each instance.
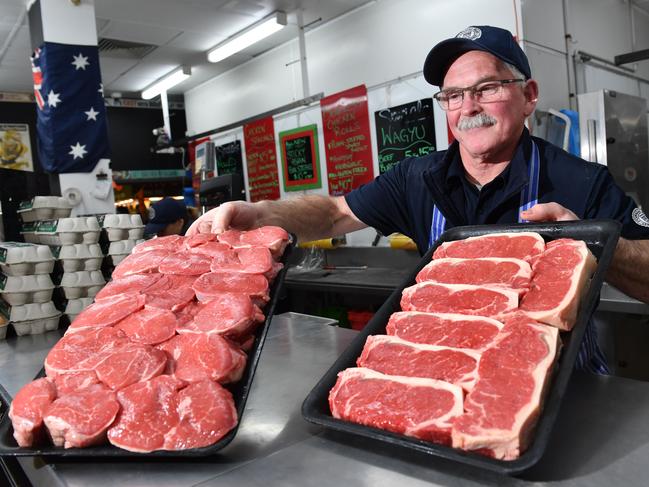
(181, 32)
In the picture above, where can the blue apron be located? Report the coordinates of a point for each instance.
(529, 197)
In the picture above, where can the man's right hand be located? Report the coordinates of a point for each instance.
(233, 214)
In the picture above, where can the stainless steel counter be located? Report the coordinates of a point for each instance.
(601, 437)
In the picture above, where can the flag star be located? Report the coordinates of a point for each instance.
(101, 89)
(53, 99)
(78, 151)
(92, 114)
(80, 62)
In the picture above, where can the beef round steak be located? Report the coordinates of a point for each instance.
(107, 312)
(149, 409)
(490, 271)
(140, 263)
(394, 356)
(198, 239)
(130, 363)
(170, 243)
(212, 284)
(444, 329)
(28, 408)
(133, 284)
(149, 326)
(560, 280)
(504, 405)
(273, 238)
(81, 418)
(206, 414)
(185, 263)
(515, 245)
(466, 299)
(412, 406)
(195, 357)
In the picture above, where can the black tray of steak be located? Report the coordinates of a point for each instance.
(432, 416)
(239, 390)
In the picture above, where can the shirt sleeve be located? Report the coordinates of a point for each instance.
(608, 200)
(382, 203)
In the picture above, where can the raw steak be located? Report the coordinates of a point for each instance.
(27, 410)
(77, 352)
(212, 249)
(185, 263)
(107, 312)
(133, 284)
(149, 411)
(128, 364)
(249, 260)
(423, 408)
(503, 407)
(458, 298)
(74, 381)
(206, 413)
(394, 356)
(170, 243)
(448, 330)
(172, 299)
(81, 418)
(492, 272)
(170, 282)
(210, 285)
(149, 326)
(273, 238)
(561, 278)
(230, 314)
(198, 239)
(186, 315)
(142, 263)
(196, 357)
(515, 245)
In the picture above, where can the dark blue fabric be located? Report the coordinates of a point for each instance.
(402, 199)
(63, 125)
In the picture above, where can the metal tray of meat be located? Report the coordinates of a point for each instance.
(601, 237)
(239, 390)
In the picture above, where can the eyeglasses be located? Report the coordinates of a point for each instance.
(484, 92)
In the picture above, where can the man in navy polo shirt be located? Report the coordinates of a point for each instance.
(494, 172)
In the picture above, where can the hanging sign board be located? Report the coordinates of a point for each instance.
(15, 147)
(228, 158)
(300, 160)
(404, 131)
(261, 160)
(346, 127)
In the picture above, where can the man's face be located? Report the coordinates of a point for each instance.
(495, 139)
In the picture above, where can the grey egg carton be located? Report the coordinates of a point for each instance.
(123, 227)
(19, 290)
(76, 306)
(79, 257)
(68, 231)
(28, 231)
(33, 318)
(119, 249)
(21, 259)
(81, 284)
(44, 208)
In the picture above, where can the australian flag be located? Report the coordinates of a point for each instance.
(71, 123)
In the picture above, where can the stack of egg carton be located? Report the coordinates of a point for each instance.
(41, 208)
(26, 289)
(123, 232)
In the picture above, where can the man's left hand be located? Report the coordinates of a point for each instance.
(548, 212)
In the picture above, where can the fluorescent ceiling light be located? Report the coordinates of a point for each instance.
(247, 37)
(166, 82)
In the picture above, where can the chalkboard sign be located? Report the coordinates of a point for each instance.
(404, 131)
(300, 159)
(228, 158)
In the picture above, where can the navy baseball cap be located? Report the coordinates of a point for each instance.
(162, 213)
(494, 40)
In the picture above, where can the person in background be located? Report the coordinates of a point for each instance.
(166, 217)
(494, 172)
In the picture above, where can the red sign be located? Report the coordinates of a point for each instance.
(261, 158)
(346, 127)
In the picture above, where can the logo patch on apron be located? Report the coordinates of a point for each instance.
(640, 218)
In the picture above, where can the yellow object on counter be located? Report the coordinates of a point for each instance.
(400, 241)
(325, 243)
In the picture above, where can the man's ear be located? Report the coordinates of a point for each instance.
(531, 93)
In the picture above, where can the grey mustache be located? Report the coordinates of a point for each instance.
(477, 121)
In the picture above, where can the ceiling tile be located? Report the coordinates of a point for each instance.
(136, 32)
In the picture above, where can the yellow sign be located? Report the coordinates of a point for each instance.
(15, 147)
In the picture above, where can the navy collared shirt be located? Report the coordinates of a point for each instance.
(402, 199)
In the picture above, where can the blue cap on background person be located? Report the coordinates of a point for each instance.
(494, 40)
(164, 217)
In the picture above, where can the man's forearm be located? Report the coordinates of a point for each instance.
(629, 270)
(309, 217)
